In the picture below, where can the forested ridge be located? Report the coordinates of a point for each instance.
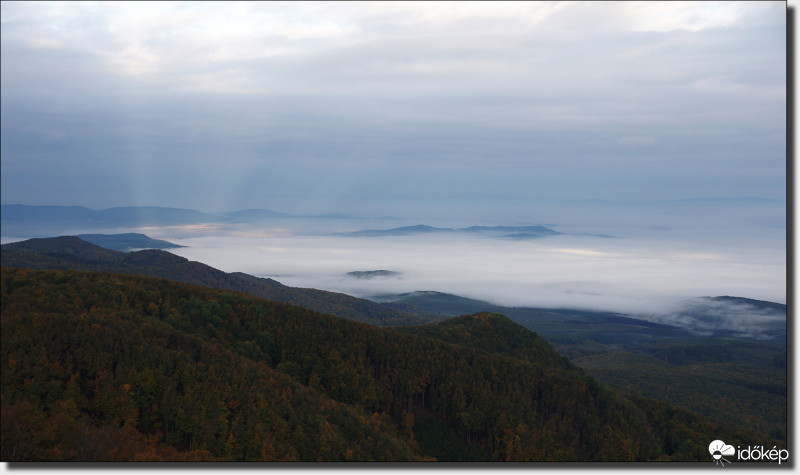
(712, 375)
(71, 252)
(99, 366)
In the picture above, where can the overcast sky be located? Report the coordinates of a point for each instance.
(377, 108)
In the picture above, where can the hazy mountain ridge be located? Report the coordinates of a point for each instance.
(69, 252)
(47, 220)
(111, 217)
(371, 274)
(127, 241)
(494, 231)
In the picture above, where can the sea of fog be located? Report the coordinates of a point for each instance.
(650, 264)
(639, 271)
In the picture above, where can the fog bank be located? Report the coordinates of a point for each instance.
(622, 274)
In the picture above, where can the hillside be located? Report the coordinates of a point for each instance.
(104, 379)
(70, 252)
(145, 368)
(715, 374)
(494, 333)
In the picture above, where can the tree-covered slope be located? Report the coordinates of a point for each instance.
(714, 375)
(70, 252)
(713, 391)
(494, 333)
(192, 372)
(752, 387)
(89, 372)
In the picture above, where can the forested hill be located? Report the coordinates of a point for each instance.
(70, 252)
(100, 366)
(494, 333)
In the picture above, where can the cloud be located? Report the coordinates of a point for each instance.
(644, 275)
(242, 105)
(705, 315)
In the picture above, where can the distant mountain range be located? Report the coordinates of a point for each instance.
(371, 274)
(112, 217)
(694, 201)
(41, 220)
(511, 232)
(70, 252)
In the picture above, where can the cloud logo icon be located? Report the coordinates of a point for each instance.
(718, 449)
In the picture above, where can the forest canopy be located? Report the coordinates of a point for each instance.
(99, 366)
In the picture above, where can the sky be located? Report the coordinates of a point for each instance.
(660, 123)
(477, 109)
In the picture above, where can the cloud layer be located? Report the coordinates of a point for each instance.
(646, 276)
(390, 105)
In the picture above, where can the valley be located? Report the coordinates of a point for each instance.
(709, 373)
